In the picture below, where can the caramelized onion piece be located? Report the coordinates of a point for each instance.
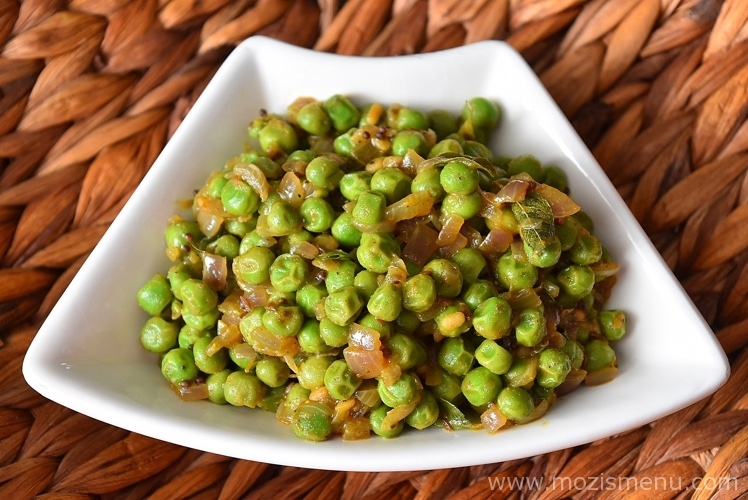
(497, 240)
(365, 338)
(291, 190)
(365, 364)
(421, 246)
(601, 376)
(192, 392)
(492, 419)
(208, 223)
(450, 230)
(414, 205)
(515, 190)
(252, 175)
(265, 342)
(398, 413)
(215, 271)
(561, 204)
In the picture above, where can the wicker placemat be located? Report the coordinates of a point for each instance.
(90, 90)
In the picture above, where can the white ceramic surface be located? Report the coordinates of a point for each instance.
(87, 357)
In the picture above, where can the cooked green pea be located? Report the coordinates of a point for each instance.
(340, 381)
(401, 392)
(366, 282)
(530, 329)
(494, 357)
(288, 272)
(317, 215)
(425, 414)
(201, 321)
(239, 198)
(178, 274)
(515, 273)
(458, 178)
(158, 335)
(476, 149)
(428, 180)
(343, 113)
(446, 146)
(452, 320)
(576, 281)
(283, 219)
(515, 403)
(312, 371)
(278, 136)
(481, 386)
(567, 233)
(393, 183)
(178, 365)
(243, 389)
(272, 372)
(442, 122)
(209, 363)
(599, 355)
(215, 382)
(313, 119)
(584, 220)
(214, 184)
(466, 206)
(446, 275)
(527, 164)
(477, 292)
(493, 318)
(586, 250)
(409, 118)
(407, 140)
(272, 399)
(197, 297)
(155, 295)
(522, 373)
(376, 416)
(333, 335)
(343, 144)
(555, 177)
(386, 302)
(353, 184)
(253, 239)
(188, 335)
(544, 255)
(343, 306)
(345, 232)
(406, 351)
(225, 246)
(419, 293)
(369, 208)
(308, 296)
(553, 367)
(270, 168)
(310, 339)
(449, 387)
(324, 172)
(377, 251)
(313, 421)
(612, 323)
(482, 112)
(471, 263)
(456, 356)
(575, 353)
(253, 266)
(182, 233)
(284, 321)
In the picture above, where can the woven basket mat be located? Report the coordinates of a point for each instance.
(90, 91)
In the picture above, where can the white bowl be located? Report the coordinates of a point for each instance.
(87, 355)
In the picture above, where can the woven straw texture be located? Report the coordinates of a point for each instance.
(90, 91)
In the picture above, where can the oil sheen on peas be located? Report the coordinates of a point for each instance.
(372, 268)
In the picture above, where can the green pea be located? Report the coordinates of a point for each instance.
(313, 421)
(288, 273)
(458, 178)
(188, 335)
(481, 112)
(214, 184)
(493, 318)
(243, 389)
(476, 149)
(392, 182)
(312, 371)
(407, 140)
(283, 219)
(515, 273)
(612, 323)
(308, 296)
(586, 250)
(178, 365)
(446, 146)
(341, 276)
(428, 180)
(401, 392)
(197, 297)
(449, 387)
(466, 206)
(366, 282)
(284, 321)
(253, 239)
(155, 295)
(584, 220)
(419, 293)
(522, 373)
(567, 233)
(209, 364)
(345, 232)
(599, 355)
(553, 367)
(253, 266)
(270, 168)
(452, 320)
(425, 414)
(370, 208)
(555, 177)
(477, 292)
(295, 397)
(215, 382)
(278, 136)
(471, 263)
(406, 351)
(239, 198)
(446, 275)
(408, 321)
(201, 321)
(481, 386)
(333, 335)
(340, 381)
(376, 417)
(576, 281)
(225, 246)
(370, 321)
(343, 144)
(343, 306)
(354, 183)
(456, 356)
(158, 335)
(324, 172)
(515, 403)
(409, 118)
(386, 302)
(343, 113)
(494, 357)
(272, 372)
(442, 122)
(178, 274)
(526, 164)
(574, 352)
(530, 329)
(377, 251)
(313, 119)
(182, 233)
(310, 339)
(317, 215)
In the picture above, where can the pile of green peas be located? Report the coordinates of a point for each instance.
(369, 269)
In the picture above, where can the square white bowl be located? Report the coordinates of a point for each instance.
(87, 355)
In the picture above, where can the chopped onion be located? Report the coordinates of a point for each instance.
(368, 394)
(365, 364)
(450, 230)
(233, 308)
(386, 226)
(256, 296)
(571, 382)
(252, 175)
(229, 334)
(524, 298)
(291, 363)
(390, 373)
(215, 271)
(356, 428)
(305, 249)
(421, 246)
(601, 376)
(192, 392)
(362, 337)
(492, 419)
(515, 190)
(414, 205)
(459, 243)
(209, 224)
(535, 414)
(604, 269)
(497, 240)
(561, 204)
(245, 351)
(291, 190)
(326, 242)
(398, 413)
(265, 342)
